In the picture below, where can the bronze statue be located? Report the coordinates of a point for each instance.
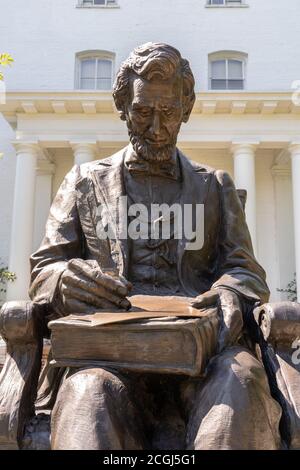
(74, 270)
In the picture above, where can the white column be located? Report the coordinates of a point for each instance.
(22, 220)
(244, 177)
(284, 239)
(83, 152)
(295, 156)
(43, 199)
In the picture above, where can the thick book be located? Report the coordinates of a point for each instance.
(158, 335)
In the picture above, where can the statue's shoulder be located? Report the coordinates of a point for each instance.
(114, 160)
(196, 166)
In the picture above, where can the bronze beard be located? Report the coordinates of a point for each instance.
(148, 152)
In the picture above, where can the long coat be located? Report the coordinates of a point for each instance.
(225, 259)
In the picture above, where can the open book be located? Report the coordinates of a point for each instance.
(158, 335)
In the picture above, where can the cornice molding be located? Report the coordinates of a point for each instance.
(83, 102)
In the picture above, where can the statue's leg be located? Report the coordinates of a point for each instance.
(93, 411)
(232, 407)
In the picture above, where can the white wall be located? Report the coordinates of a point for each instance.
(44, 35)
(7, 176)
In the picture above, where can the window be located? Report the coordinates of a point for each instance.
(225, 2)
(94, 71)
(227, 71)
(101, 3)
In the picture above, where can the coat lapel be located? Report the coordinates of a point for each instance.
(102, 185)
(109, 186)
(196, 183)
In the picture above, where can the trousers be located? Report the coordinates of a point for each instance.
(229, 408)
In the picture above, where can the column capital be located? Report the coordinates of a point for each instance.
(294, 149)
(243, 147)
(84, 152)
(88, 147)
(32, 148)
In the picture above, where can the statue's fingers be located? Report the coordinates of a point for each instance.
(90, 286)
(77, 306)
(115, 284)
(108, 281)
(92, 299)
(87, 283)
(206, 300)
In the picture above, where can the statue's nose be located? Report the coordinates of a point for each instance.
(155, 126)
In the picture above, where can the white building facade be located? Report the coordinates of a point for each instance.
(58, 109)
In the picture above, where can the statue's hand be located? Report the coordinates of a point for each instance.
(230, 308)
(84, 287)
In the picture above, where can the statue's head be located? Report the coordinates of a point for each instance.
(154, 94)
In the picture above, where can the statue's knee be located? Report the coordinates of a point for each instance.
(239, 363)
(94, 381)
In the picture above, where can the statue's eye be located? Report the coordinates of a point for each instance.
(169, 112)
(144, 112)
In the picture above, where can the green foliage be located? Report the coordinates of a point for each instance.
(5, 276)
(5, 60)
(291, 290)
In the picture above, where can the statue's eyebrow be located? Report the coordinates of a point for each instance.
(137, 105)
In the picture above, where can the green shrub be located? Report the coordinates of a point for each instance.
(5, 276)
(291, 290)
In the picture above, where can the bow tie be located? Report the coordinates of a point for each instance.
(167, 169)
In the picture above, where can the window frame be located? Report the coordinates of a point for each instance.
(93, 55)
(227, 4)
(227, 56)
(83, 4)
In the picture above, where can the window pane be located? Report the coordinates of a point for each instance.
(104, 75)
(88, 68)
(99, 2)
(218, 85)
(235, 69)
(235, 84)
(87, 84)
(216, 2)
(104, 69)
(218, 69)
(103, 84)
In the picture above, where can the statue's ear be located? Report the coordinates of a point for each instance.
(188, 104)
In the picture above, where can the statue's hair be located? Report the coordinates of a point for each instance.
(154, 60)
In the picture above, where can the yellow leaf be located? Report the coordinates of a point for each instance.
(1, 76)
(6, 59)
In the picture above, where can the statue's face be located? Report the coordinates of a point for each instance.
(154, 117)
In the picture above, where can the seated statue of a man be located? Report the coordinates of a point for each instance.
(230, 407)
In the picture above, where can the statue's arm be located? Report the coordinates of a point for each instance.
(63, 241)
(238, 268)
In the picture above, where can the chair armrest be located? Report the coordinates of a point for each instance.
(279, 324)
(21, 328)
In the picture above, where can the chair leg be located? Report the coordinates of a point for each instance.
(19, 327)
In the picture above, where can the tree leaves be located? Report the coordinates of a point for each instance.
(5, 60)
